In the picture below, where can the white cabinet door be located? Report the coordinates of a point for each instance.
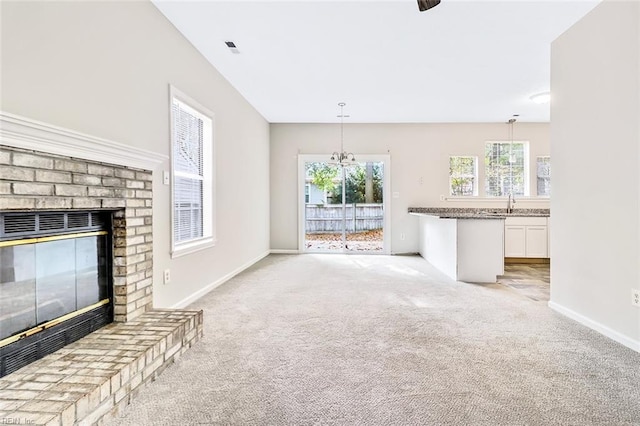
(514, 241)
(526, 237)
(536, 241)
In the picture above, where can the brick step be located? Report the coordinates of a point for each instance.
(95, 377)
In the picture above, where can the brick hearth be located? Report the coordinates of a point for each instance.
(92, 379)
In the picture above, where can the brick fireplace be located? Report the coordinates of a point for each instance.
(34, 181)
(97, 375)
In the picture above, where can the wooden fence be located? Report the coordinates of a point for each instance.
(328, 218)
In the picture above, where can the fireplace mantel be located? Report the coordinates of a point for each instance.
(21, 132)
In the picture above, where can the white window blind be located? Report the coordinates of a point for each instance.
(505, 168)
(192, 144)
(463, 176)
(543, 174)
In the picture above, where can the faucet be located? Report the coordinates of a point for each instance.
(510, 203)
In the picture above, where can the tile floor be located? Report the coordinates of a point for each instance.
(531, 280)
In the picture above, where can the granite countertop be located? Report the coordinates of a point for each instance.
(477, 213)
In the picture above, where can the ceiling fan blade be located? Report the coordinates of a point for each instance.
(427, 4)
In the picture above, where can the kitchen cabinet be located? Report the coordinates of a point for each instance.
(526, 237)
(514, 240)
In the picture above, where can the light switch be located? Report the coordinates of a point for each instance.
(166, 177)
(396, 195)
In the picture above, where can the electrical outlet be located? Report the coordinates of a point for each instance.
(167, 276)
(635, 297)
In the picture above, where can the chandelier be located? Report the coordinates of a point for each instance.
(342, 158)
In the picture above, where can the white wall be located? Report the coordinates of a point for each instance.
(595, 138)
(419, 167)
(104, 68)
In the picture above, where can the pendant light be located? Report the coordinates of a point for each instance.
(512, 159)
(511, 156)
(342, 158)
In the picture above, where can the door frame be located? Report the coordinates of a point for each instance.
(385, 159)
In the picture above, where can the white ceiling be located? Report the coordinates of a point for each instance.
(462, 61)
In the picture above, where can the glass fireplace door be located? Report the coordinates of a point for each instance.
(50, 278)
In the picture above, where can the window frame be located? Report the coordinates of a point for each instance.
(525, 168)
(548, 176)
(307, 192)
(208, 238)
(474, 176)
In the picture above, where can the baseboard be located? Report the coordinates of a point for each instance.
(528, 260)
(198, 294)
(594, 325)
(284, 251)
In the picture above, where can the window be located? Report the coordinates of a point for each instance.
(463, 173)
(192, 164)
(506, 168)
(307, 192)
(543, 174)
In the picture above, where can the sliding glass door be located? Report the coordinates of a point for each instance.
(343, 207)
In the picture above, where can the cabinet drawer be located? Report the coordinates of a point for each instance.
(525, 221)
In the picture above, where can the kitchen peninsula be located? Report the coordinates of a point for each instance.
(465, 244)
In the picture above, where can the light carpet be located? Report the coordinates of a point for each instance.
(386, 340)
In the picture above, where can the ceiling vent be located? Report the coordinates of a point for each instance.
(232, 47)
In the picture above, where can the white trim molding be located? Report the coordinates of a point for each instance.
(501, 200)
(200, 293)
(594, 325)
(284, 251)
(21, 132)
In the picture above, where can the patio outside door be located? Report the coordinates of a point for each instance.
(343, 207)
